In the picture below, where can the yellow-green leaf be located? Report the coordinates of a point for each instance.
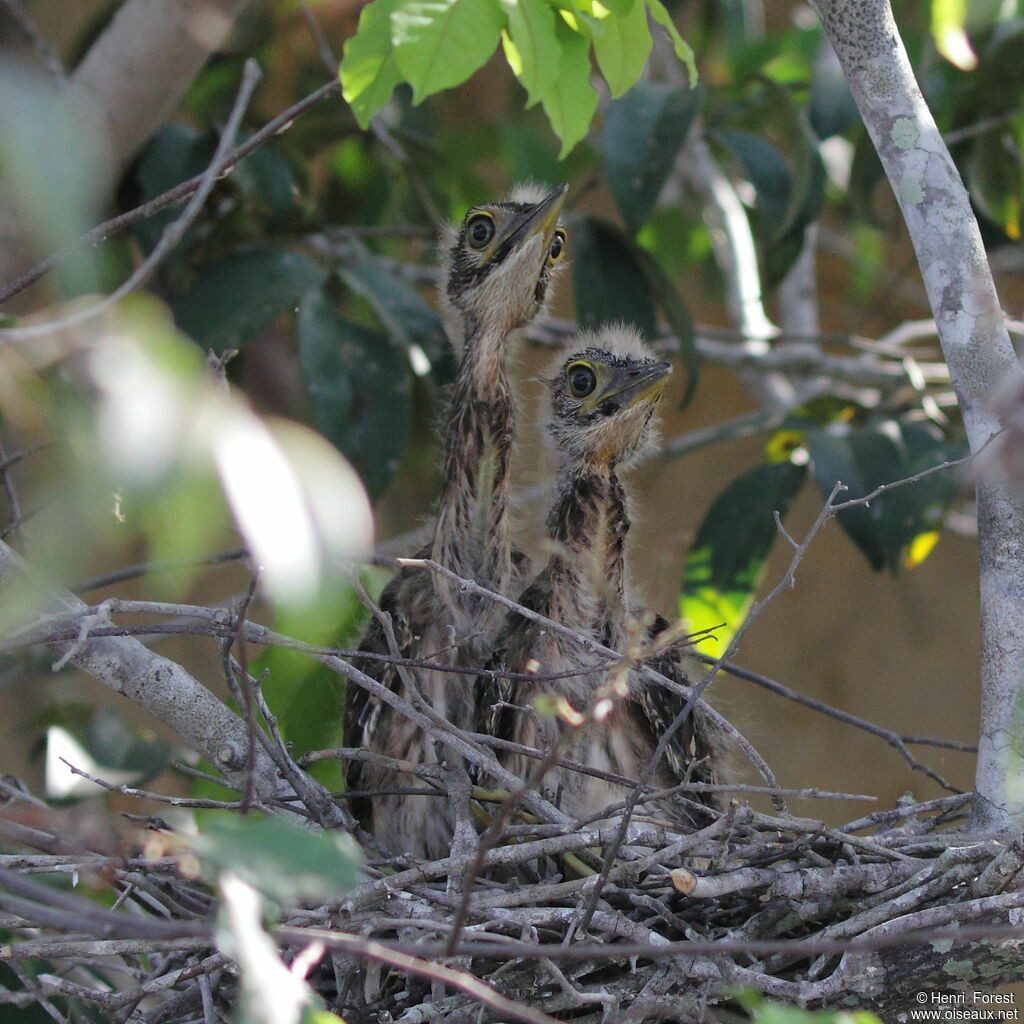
(622, 48)
(438, 44)
(368, 71)
(682, 48)
(571, 100)
(531, 45)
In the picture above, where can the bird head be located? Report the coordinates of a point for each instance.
(502, 259)
(603, 397)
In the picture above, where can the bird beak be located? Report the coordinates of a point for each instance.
(631, 385)
(538, 220)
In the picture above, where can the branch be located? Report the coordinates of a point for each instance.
(949, 249)
(160, 686)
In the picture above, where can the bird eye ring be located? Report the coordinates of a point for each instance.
(479, 230)
(557, 245)
(582, 379)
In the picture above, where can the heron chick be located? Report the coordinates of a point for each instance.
(602, 402)
(499, 267)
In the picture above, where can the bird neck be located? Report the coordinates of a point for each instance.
(472, 536)
(589, 523)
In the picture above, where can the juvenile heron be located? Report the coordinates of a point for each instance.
(500, 265)
(602, 400)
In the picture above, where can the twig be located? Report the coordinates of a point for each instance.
(43, 49)
(131, 572)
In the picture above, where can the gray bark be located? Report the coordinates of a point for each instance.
(949, 250)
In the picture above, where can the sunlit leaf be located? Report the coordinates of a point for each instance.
(622, 48)
(537, 52)
(359, 388)
(281, 860)
(570, 101)
(440, 43)
(368, 70)
(643, 132)
(729, 553)
(237, 297)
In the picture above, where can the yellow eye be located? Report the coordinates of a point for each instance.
(557, 245)
(582, 379)
(479, 230)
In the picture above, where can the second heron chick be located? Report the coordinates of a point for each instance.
(602, 402)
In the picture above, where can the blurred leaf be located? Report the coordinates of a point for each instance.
(609, 284)
(729, 553)
(368, 69)
(115, 743)
(866, 172)
(643, 132)
(440, 43)
(359, 388)
(993, 173)
(570, 101)
(239, 296)
(948, 20)
(622, 48)
(531, 46)
(50, 167)
(682, 48)
(283, 861)
(864, 458)
(402, 311)
(766, 169)
(267, 175)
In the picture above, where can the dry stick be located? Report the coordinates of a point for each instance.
(131, 572)
(44, 50)
(172, 234)
(172, 196)
(787, 581)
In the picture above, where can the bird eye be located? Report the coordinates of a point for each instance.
(557, 245)
(479, 230)
(582, 379)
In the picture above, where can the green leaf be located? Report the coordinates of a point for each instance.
(622, 48)
(359, 389)
(571, 100)
(682, 48)
(237, 297)
(305, 696)
(402, 311)
(993, 173)
(865, 457)
(729, 553)
(440, 43)
(368, 70)
(531, 46)
(643, 132)
(609, 284)
(283, 861)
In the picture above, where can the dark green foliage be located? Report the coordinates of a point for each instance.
(643, 132)
(865, 457)
(359, 388)
(237, 297)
